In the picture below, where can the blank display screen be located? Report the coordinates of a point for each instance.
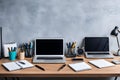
(49, 46)
(96, 44)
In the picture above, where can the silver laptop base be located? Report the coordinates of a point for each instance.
(99, 56)
(35, 60)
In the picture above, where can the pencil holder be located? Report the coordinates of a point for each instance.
(12, 55)
(21, 55)
(70, 52)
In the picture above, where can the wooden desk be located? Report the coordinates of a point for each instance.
(51, 70)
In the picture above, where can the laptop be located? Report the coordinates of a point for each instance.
(97, 47)
(49, 51)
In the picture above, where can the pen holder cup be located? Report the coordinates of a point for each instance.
(12, 55)
(70, 52)
(21, 55)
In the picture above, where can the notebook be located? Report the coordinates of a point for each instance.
(80, 66)
(21, 64)
(97, 47)
(101, 63)
(49, 50)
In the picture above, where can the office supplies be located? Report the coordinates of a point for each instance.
(71, 49)
(80, 66)
(115, 33)
(101, 63)
(21, 64)
(49, 50)
(12, 55)
(62, 67)
(31, 49)
(116, 61)
(21, 55)
(28, 49)
(9, 49)
(73, 45)
(77, 59)
(39, 67)
(12, 46)
(97, 47)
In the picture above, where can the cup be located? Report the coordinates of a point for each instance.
(70, 52)
(12, 55)
(21, 55)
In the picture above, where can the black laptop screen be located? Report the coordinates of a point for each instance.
(94, 44)
(49, 46)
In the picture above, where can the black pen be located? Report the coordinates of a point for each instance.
(62, 67)
(22, 62)
(40, 67)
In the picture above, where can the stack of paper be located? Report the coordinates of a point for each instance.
(101, 63)
(80, 66)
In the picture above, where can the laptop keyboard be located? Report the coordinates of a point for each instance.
(49, 58)
(98, 53)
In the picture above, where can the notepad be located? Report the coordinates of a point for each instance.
(101, 63)
(80, 66)
(21, 64)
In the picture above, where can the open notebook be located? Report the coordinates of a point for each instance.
(21, 64)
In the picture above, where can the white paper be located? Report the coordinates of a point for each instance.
(80, 66)
(101, 63)
(6, 46)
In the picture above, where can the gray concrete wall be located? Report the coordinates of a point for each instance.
(25, 20)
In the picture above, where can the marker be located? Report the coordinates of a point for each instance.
(40, 67)
(31, 45)
(62, 67)
(14, 48)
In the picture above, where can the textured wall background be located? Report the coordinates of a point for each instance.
(25, 20)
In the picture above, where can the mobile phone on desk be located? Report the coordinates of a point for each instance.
(77, 59)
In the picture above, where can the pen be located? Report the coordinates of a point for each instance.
(73, 44)
(40, 67)
(9, 49)
(14, 48)
(22, 62)
(62, 67)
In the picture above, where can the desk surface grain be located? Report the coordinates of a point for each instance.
(51, 70)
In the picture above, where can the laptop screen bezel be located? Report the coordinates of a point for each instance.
(49, 39)
(91, 46)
